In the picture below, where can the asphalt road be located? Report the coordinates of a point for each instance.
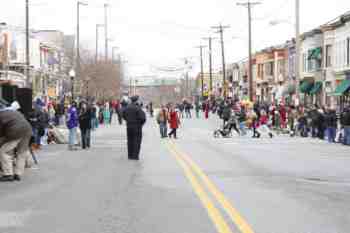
(196, 184)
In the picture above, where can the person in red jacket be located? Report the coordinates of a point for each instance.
(283, 114)
(207, 109)
(174, 122)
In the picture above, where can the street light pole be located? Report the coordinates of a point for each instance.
(97, 40)
(250, 54)
(297, 46)
(106, 32)
(78, 40)
(72, 75)
(27, 72)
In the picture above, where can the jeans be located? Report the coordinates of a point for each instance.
(302, 128)
(85, 138)
(93, 124)
(43, 139)
(242, 128)
(163, 130)
(72, 136)
(37, 137)
(188, 114)
(347, 135)
(331, 133)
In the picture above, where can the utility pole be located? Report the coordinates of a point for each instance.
(210, 39)
(297, 46)
(27, 71)
(186, 79)
(249, 5)
(97, 40)
(201, 47)
(106, 31)
(220, 29)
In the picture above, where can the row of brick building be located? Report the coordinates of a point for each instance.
(324, 70)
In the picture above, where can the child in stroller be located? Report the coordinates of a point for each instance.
(226, 131)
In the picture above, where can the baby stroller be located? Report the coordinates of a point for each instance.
(226, 131)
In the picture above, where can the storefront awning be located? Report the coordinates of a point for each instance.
(316, 88)
(315, 54)
(305, 87)
(342, 87)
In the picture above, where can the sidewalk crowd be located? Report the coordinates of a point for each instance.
(262, 119)
(22, 135)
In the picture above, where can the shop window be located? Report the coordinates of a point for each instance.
(281, 66)
(269, 68)
(318, 63)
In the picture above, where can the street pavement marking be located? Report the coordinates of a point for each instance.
(213, 212)
(224, 202)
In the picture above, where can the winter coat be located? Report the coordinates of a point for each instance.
(13, 125)
(72, 118)
(331, 119)
(242, 116)
(174, 120)
(85, 119)
(283, 114)
(162, 116)
(44, 120)
(134, 116)
(264, 120)
(226, 113)
(345, 118)
(106, 114)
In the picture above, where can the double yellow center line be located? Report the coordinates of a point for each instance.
(192, 171)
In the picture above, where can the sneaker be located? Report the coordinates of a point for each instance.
(8, 178)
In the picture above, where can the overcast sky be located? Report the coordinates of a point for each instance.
(158, 33)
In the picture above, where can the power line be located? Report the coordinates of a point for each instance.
(271, 13)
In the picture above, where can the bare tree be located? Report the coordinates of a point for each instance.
(101, 80)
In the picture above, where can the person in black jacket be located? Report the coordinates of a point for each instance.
(345, 122)
(331, 123)
(320, 124)
(135, 118)
(226, 113)
(85, 116)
